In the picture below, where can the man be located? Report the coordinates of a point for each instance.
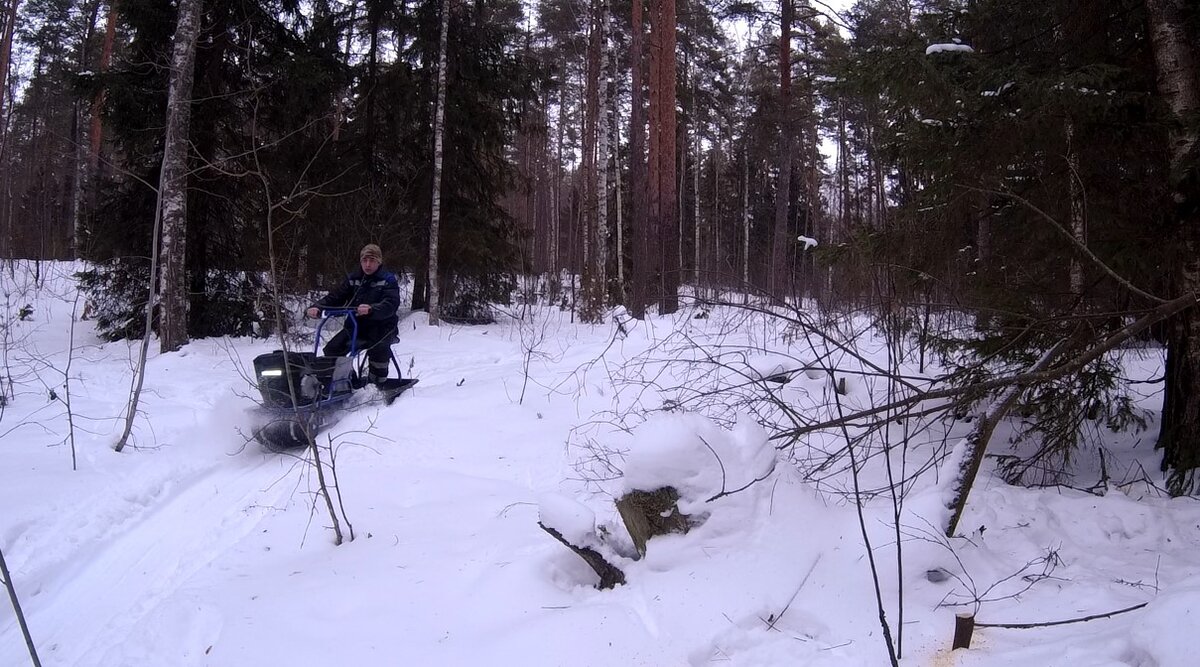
(374, 294)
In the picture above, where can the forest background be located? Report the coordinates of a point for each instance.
(1012, 185)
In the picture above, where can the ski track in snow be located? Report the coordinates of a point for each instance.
(102, 568)
(96, 597)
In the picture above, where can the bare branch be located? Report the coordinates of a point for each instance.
(1046, 624)
(1079, 245)
(1074, 365)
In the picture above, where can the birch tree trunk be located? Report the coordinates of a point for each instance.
(1178, 64)
(172, 330)
(696, 157)
(746, 226)
(556, 192)
(176, 138)
(439, 117)
(589, 79)
(843, 162)
(540, 137)
(715, 261)
(615, 124)
(339, 102)
(696, 235)
(590, 84)
(1078, 224)
(602, 156)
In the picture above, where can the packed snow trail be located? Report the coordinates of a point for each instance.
(93, 602)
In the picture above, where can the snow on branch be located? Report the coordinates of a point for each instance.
(953, 47)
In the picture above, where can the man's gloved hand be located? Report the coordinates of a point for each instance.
(363, 309)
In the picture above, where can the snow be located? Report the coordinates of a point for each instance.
(696, 457)
(998, 91)
(197, 547)
(571, 518)
(953, 47)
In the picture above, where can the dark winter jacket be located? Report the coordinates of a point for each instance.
(379, 290)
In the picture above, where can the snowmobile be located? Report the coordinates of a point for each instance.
(305, 392)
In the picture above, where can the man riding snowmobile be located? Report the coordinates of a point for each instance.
(374, 294)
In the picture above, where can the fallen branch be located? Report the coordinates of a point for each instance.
(982, 434)
(775, 618)
(610, 575)
(1046, 624)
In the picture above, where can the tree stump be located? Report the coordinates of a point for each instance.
(610, 575)
(650, 513)
(964, 627)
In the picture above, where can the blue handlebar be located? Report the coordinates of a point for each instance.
(330, 313)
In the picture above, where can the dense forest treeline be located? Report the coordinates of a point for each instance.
(1024, 171)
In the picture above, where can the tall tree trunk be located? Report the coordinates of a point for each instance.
(172, 330)
(541, 184)
(696, 224)
(644, 241)
(844, 204)
(602, 156)
(593, 161)
(8, 240)
(684, 154)
(438, 130)
(556, 263)
(662, 158)
(10, 21)
(525, 161)
(545, 188)
(589, 119)
(746, 222)
(89, 173)
(713, 262)
(843, 175)
(374, 19)
(80, 172)
(1178, 64)
(780, 284)
(1078, 223)
(815, 212)
(339, 103)
(615, 124)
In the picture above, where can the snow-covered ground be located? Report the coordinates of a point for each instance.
(196, 547)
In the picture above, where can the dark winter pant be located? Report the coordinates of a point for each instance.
(379, 352)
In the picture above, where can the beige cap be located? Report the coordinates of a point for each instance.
(371, 250)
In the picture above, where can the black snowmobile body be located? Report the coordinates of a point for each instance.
(304, 392)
